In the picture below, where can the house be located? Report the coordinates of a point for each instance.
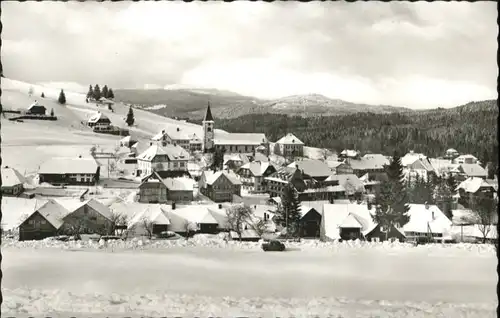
(220, 186)
(349, 154)
(427, 220)
(104, 101)
(289, 146)
(162, 158)
(372, 182)
(464, 171)
(178, 137)
(69, 171)
(308, 189)
(99, 121)
(472, 187)
(235, 161)
(12, 182)
(258, 156)
(230, 142)
(339, 167)
(310, 221)
(420, 168)
(411, 157)
(45, 220)
(353, 186)
(316, 169)
(451, 154)
(155, 189)
(36, 109)
(208, 219)
(468, 228)
(370, 163)
(465, 159)
(88, 216)
(149, 219)
(252, 175)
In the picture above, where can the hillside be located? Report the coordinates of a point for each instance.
(470, 128)
(192, 103)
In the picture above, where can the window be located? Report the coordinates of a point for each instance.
(31, 222)
(43, 222)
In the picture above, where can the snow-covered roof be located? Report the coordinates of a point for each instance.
(422, 218)
(337, 215)
(239, 139)
(290, 139)
(330, 188)
(172, 152)
(451, 150)
(54, 213)
(98, 116)
(125, 140)
(307, 206)
(411, 157)
(194, 214)
(62, 165)
(35, 104)
(179, 184)
(471, 170)
(238, 157)
(468, 156)
(473, 184)
(421, 164)
(369, 162)
(312, 167)
(211, 177)
(257, 168)
(349, 153)
(350, 182)
(12, 177)
(17, 210)
(71, 205)
(260, 157)
(152, 213)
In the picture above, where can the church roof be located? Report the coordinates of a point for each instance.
(208, 115)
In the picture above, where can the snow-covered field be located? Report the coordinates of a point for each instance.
(197, 278)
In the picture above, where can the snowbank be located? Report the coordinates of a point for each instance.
(219, 241)
(58, 303)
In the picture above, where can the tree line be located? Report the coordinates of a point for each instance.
(96, 92)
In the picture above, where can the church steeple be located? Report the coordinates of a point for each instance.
(208, 115)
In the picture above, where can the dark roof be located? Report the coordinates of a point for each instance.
(208, 115)
(168, 174)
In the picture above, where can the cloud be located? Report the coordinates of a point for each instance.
(380, 53)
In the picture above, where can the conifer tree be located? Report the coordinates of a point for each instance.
(452, 184)
(392, 198)
(62, 98)
(130, 117)
(104, 91)
(443, 197)
(111, 95)
(218, 159)
(52, 112)
(43, 95)
(90, 93)
(97, 92)
(288, 213)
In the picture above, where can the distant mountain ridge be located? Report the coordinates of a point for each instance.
(192, 102)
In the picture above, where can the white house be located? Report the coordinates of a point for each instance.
(467, 159)
(163, 158)
(289, 145)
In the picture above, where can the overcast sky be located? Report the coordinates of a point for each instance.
(417, 55)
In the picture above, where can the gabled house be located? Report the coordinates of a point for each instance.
(177, 137)
(45, 220)
(99, 121)
(220, 186)
(339, 167)
(464, 171)
(90, 216)
(465, 159)
(235, 161)
(420, 168)
(36, 109)
(370, 163)
(354, 187)
(289, 146)
(208, 219)
(162, 158)
(155, 189)
(451, 154)
(316, 169)
(69, 171)
(310, 222)
(148, 217)
(472, 187)
(252, 175)
(349, 154)
(12, 182)
(277, 181)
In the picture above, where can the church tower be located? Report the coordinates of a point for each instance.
(208, 131)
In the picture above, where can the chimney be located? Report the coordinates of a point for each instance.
(178, 129)
(265, 216)
(433, 215)
(151, 143)
(220, 206)
(163, 131)
(173, 205)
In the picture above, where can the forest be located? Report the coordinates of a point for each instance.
(471, 128)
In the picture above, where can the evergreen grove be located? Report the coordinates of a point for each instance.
(96, 92)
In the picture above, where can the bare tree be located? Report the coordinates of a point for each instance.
(237, 217)
(484, 209)
(116, 219)
(93, 150)
(112, 166)
(324, 153)
(148, 227)
(260, 227)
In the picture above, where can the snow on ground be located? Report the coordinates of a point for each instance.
(156, 107)
(226, 282)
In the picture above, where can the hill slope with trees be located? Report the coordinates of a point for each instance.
(471, 128)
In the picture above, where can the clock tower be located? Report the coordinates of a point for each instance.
(208, 131)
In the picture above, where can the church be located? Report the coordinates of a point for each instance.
(247, 143)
